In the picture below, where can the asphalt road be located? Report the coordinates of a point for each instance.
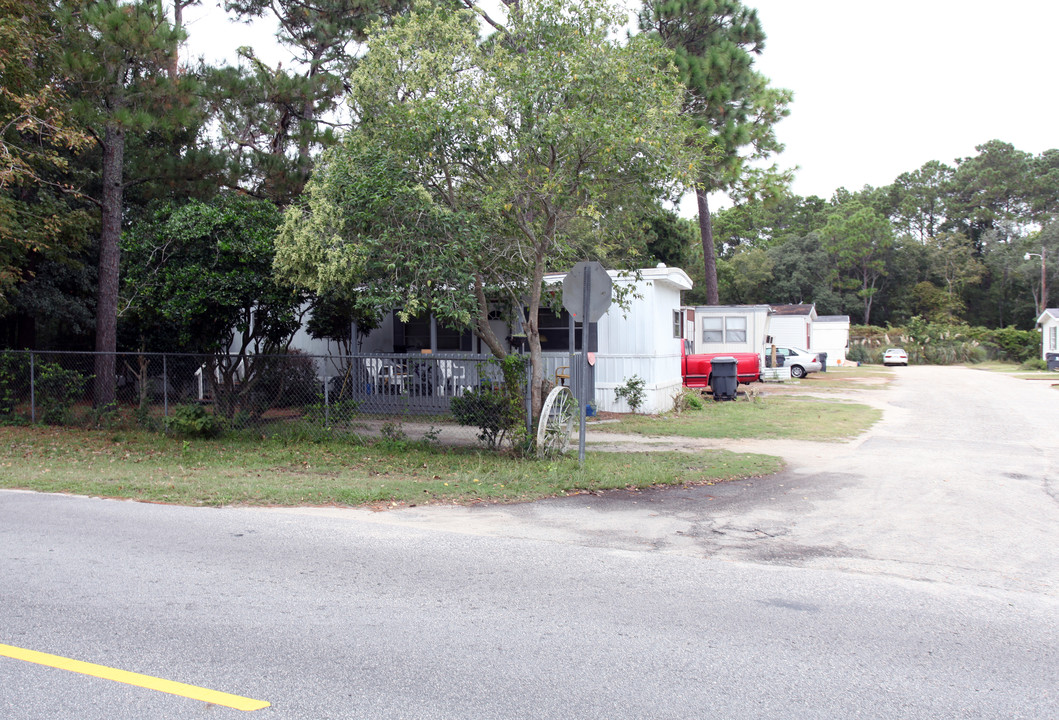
(913, 573)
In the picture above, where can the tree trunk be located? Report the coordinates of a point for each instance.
(709, 254)
(109, 257)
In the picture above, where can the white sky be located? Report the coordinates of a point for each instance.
(882, 88)
(879, 88)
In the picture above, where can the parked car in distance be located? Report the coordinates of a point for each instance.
(801, 362)
(895, 356)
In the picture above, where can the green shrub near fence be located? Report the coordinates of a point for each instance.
(14, 381)
(498, 411)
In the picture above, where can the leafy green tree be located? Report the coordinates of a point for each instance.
(955, 263)
(990, 189)
(765, 222)
(38, 223)
(920, 200)
(859, 241)
(715, 43)
(668, 237)
(333, 317)
(746, 277)
(909, 265)
(1041, 257)
(202, 273)
(1044, 194)
(801, 269)
(205, 269)
(478, 166)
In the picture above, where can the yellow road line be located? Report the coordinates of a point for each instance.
(131, 678)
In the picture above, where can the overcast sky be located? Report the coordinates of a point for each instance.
(879, 88)
(882, 88)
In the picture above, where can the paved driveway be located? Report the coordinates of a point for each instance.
(957, 483)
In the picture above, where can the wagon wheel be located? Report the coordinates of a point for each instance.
(556, 422)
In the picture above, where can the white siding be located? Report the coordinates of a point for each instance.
(832, 338)
(640, 342)
(757, 327)
(1049, 325)
(790, 331)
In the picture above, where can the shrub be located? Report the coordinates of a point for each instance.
(284, 381)
(1035, 363)
(1014, 345)
(859, 353)
(56, 390)
(192, 421)
(687, 399)
(496, 411)
(632, 391)
(14, 381)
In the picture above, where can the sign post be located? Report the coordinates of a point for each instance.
(586, 296)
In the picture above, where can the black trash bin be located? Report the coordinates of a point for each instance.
(823, 361)
(1053, 361)
(724, 377)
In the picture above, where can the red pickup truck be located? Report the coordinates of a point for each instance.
(696, 368)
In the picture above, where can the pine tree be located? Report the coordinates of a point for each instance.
(117, 62)
(274, 119)
(715, 43)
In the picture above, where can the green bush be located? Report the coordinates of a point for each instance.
(941, 343)
(859, 353)
(1035, 363)
(687, 399)
(56, 391)
(192, 421)
(497, 412)
(1015, 345)
(14, 381)
(632, 392)
(283, 381)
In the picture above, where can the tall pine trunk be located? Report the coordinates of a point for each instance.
(109, 256)
(709, 253)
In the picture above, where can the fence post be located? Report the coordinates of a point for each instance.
(327, 402)
(165, 388)
(527, 373)
(32, 390)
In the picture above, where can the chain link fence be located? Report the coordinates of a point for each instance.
(448, 399)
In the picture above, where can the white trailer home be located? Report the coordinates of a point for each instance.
(830, 334)
(792, 325)
(642, 340)
(1048, 324)
(727, 328)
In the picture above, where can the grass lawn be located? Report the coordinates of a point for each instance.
(151, 467)
(847, 378)
(787, 416)
(1016, 370)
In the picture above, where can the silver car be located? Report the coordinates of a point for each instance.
(801, 362)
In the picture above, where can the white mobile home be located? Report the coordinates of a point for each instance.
(727, 328)
(792, 325)
(643, 340)
(1048, 324)
(830, 334)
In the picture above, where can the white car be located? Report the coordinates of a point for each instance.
(895, 356)
(801, 362)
